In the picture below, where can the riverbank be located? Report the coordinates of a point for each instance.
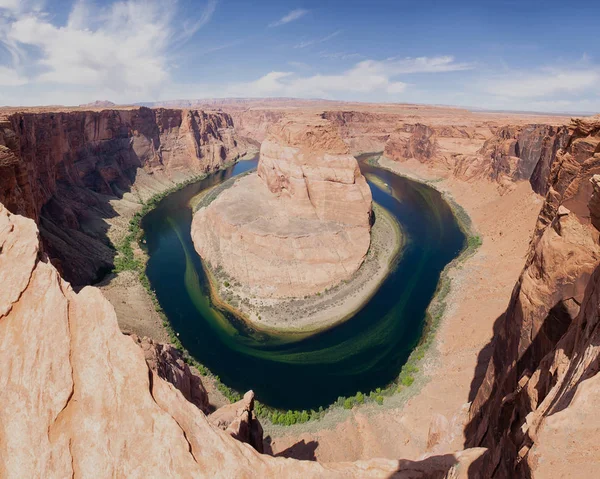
(127, 287)
(473, 292)
(324, 310)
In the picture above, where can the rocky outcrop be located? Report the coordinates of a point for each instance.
(239, 421)
(255, 124)
(63, 169)
(415, 141)
(98, 104)
(532, 403)
(524, 153)
(77, 398)
(167, 362)
(305, 221)
(363, 131)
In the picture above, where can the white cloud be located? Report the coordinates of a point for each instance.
(290, 17)
(10, 77)
(369, 77)
(10, 4)
(121, 51)
(544, 83)
(317, 40)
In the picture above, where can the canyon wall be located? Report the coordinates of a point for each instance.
(63, 169)
(77, 398)
(534, 408)
(300, 224)
(507, 154)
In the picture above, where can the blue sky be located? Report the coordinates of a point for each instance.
(519, 55)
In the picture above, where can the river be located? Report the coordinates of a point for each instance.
(365, 352)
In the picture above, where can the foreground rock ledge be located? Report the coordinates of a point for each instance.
(298, 226)
(77, 398)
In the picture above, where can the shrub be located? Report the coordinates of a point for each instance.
(348, 403)
(407, 380)
(379, 400)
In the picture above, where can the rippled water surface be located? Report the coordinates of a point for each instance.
(364, 353)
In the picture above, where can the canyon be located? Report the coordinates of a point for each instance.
(69, 169)
(507, 390)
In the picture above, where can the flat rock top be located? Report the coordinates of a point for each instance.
(250, 204)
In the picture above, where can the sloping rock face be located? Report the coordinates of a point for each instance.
(364, 132)
(77, 398)
(524, 153)
(532, 409)
(420, 144)
(62, 169)
(298, 226)
(511, 153)
(167, 361)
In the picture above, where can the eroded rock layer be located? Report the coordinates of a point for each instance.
(77, 398)
(63, 169)
(532, 409)
(296, 227)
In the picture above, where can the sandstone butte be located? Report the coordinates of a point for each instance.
(298, 226)
(79, 398)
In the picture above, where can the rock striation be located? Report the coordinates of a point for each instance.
(77, 398)
(63, 169)
(299, 225)
(532, 409)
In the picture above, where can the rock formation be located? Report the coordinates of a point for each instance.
(305, 220)
(524, 153)
(533, 405)
(77, 398)
(98, 104)
(62, 169)
(239, 420)
(416, 141)
(167, 362)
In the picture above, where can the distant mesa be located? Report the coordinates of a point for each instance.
(98, 104)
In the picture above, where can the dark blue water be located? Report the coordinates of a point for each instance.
(363, 353)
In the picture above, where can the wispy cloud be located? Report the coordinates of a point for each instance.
(119, 51)
(340, 55)
(317, 40)
(365, 78)
(223, 46)
(544, 83)
(290, 17)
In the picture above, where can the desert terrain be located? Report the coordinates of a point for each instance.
(504, 391)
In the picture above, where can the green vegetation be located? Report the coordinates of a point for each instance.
(474, 242)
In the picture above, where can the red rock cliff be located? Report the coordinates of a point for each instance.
(536, 400)
(62, 169)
